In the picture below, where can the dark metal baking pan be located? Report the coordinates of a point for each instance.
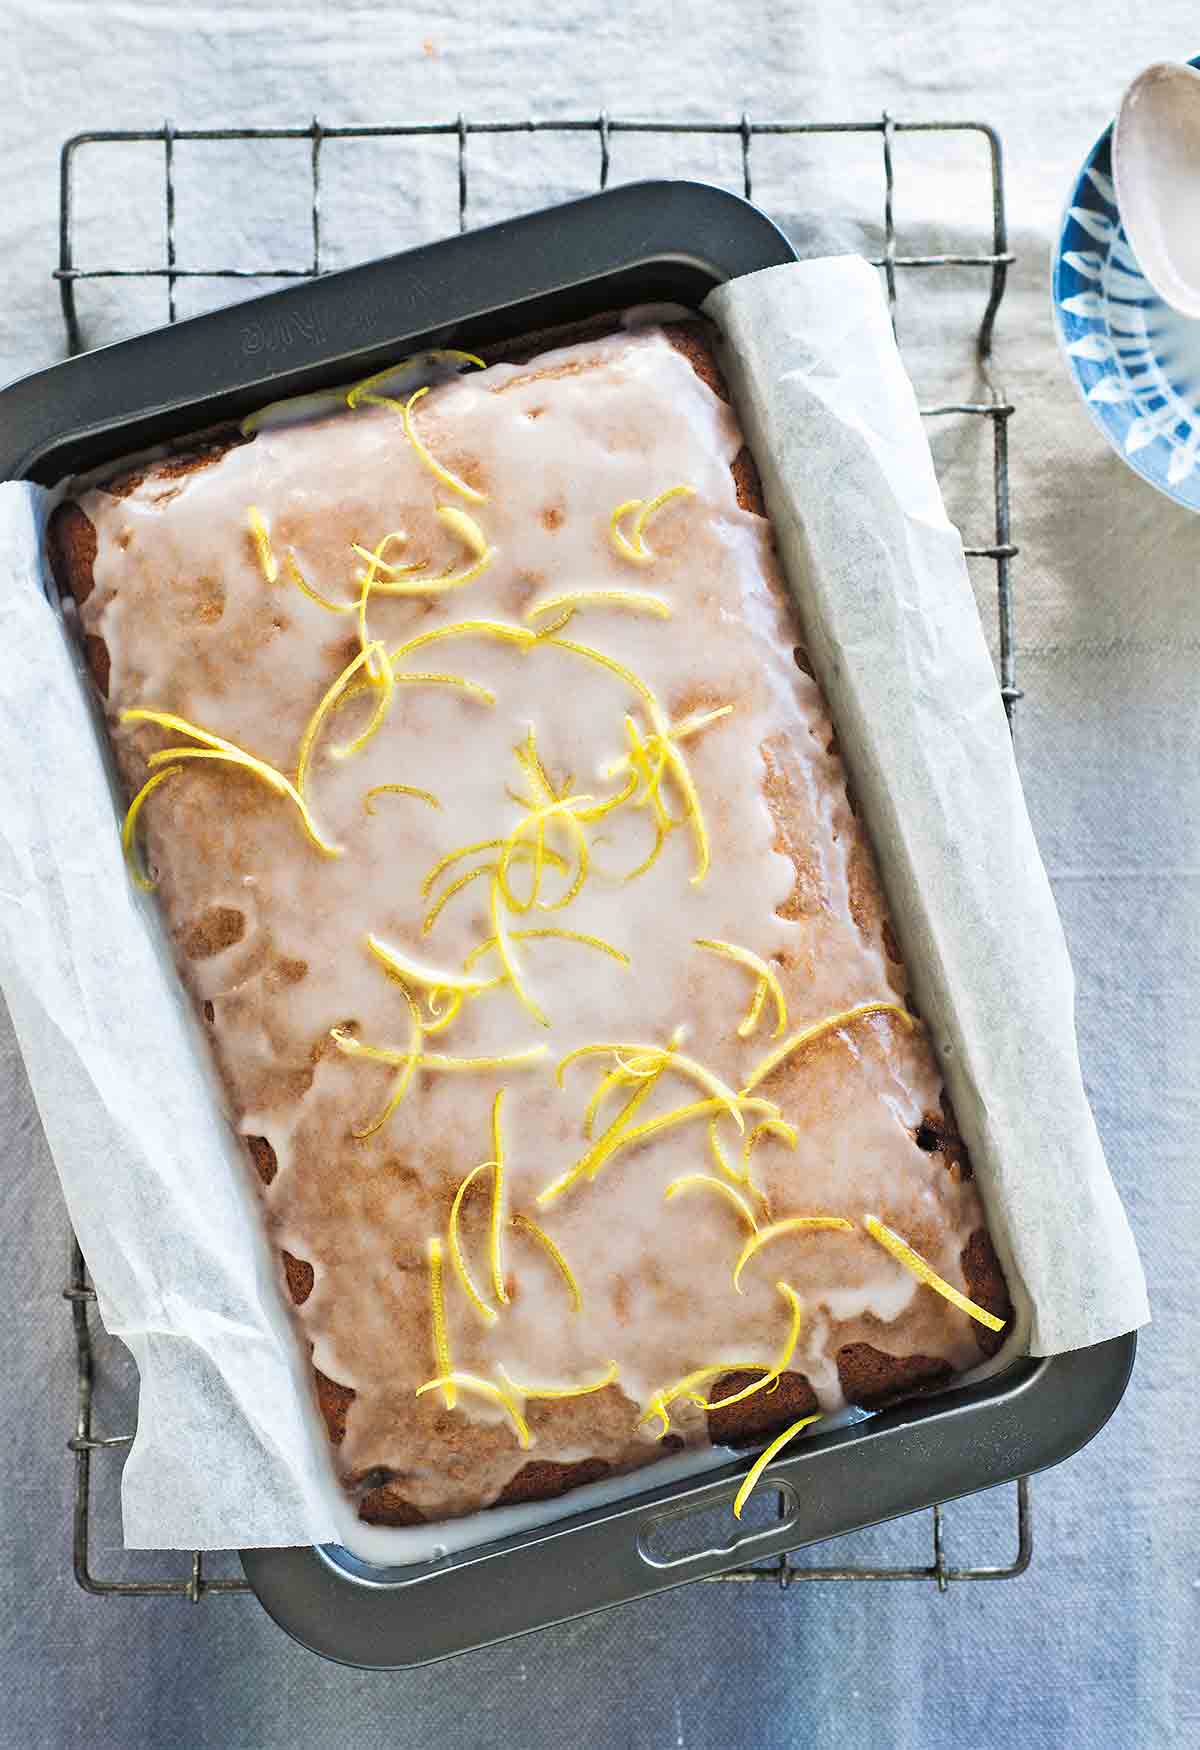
(644, 243)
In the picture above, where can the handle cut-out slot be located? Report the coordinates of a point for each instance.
(708, 1531)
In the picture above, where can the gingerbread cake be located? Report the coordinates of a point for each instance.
(502, 836)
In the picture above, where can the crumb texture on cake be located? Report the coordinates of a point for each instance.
(180, 616)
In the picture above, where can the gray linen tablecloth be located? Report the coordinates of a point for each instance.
(1096, 1645)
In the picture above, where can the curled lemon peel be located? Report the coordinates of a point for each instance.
(790, 1224)
(505, 1060)
(588, 1163)
(553, 804)
(434, 1060)
(818, 1029)
(464, 526)
(435, 911)
(377, 562)
(691, 1180)
(764, 1458)
(328, 699)
(768, 980)
(554, 1391)
(395, 584)
(406, 1062)
(494, 1227)
(129, 827)
(638, 600)
(437, 1304)
(769, 1127)
(454, 857)
(649, 508)
(596, 942)
(618, 1136)
(487, 1313)
(508, 958)
(771, 1374)
(305, 588)
(234, 756)
(926, 1274)
(673, 1059)
(440, 1022)
(408, 970)
(620, 540)
(660, 1401)
(471, 493)
(681, 731)
(387, 688)
(498, 629)
(523, 1224)
(470, 1382)
(560, 809)
(662, 736)
(262, 544)
(361, 391)
(399, 790)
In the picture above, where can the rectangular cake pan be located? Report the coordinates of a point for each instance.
(646, 243)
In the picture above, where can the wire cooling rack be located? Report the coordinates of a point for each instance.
(993, 411)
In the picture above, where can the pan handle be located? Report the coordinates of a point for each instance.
(346, 325)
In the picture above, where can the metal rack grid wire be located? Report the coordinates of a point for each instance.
(999, 551)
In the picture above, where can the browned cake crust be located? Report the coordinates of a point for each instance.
(869, 1376)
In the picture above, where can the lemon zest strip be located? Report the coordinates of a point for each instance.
(376, 562)
(274, 779)
(615, 1137)
(399, 790)
(435, 911)
(584, 1165)
(487, 1313)
(772, 1373)
(638, 600)
(620, 540)
(523, 1225)
(598, 942)
(431, 461)
(680, 1115)
(925, 1273)
(129, 827)
(262, 544)
(470, 1382)
(768, 979)
(831, 1024)
(359, 392)
(437, 1302)
(305, 588)
(508, 958)
(387, 688)
(660, 1401)
(462, 524)
(499, 629)
(406, 1062)
(440, 1022)
(547, 1391)
(494, 1231)
(430, 977)
(559, 809)
(790, 1224)
(672, 1059)
(727, 1191)
(328, 699)
(647, 511)
(435, 1060)
(764, 1458)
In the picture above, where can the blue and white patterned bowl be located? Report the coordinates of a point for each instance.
(1135, 360)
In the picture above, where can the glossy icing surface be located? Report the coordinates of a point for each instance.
(271, 935)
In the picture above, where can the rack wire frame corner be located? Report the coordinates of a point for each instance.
(85, 1444)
